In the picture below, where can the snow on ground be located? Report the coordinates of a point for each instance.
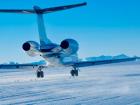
(99, 85)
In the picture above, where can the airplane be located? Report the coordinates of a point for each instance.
(63, 54)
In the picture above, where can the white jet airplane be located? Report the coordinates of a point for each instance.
(63, 54)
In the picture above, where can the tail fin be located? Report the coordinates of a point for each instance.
(41, 28)
(42, 32)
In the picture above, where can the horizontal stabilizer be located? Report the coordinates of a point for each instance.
(38, 10)
(54, 9)
(17, 11)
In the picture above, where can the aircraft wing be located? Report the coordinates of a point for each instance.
(102, 62)
(17, 66)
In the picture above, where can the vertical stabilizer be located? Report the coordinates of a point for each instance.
(41, 28)
(39, 12)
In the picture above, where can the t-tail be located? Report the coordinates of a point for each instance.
(41, 28)
(39, 12)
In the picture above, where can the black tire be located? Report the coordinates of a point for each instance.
(72, 73)
(76, 72)
(38, 74)
(41, 74)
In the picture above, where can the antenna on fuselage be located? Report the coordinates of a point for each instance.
(37, 10)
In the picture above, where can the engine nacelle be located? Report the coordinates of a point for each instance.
(31, 48)
(69, 46)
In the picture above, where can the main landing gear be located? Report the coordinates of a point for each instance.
(74, 72)
(39, 72)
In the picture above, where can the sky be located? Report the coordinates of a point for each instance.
(103, 27)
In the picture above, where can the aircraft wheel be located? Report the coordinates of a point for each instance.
(38, 74)
(72, 73)
(41, 74)
(76, 72)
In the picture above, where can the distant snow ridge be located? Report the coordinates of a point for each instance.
(122, 56)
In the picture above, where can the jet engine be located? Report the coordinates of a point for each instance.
(31, 48)
(69, 46)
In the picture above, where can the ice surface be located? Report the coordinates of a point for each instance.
(99, 85)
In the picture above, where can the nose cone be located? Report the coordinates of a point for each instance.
(26, 46)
